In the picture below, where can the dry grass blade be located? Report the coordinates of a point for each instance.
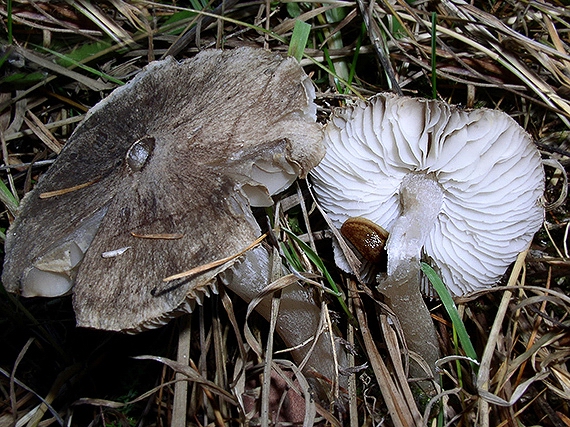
(38, 128)
(31, 412)
(109, 27)
(49, 126)
(54, 391)
(62, 191)
(180, 403)
(485, 366)
(48, 22)
(508, 59)
(275, 286)
(159, 236)
(58, 69)
(209, 266)
(194, 376)
(376, 37)
(402, 413)
(8, 196)
(268, 359)
(206, 19)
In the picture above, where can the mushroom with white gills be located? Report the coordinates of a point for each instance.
(159, 179)
(459, 188)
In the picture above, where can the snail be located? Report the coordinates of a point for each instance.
(367, 237)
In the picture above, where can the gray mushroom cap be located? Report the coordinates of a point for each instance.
(182, 150)
(485, 166)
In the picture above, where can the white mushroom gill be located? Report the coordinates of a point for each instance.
(488, 169)
(461, 187)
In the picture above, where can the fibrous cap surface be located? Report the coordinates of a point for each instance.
(179, 151)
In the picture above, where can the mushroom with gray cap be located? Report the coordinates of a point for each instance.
(159, 179)
(459, 188)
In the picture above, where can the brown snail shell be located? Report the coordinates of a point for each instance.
(367, 237)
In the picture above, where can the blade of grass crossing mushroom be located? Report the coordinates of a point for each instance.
(315, 259)
(451, 309)
(299, 39)
(205, 267)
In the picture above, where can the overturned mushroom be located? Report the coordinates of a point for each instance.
(159, 179)
(458, 188)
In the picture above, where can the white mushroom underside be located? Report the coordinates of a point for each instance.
(53, 273)
(488, 167)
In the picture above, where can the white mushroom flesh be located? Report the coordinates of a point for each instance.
(411, 229)
(52, 275)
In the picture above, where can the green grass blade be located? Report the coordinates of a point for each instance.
(23, 78)
(8, 198)
(91, 70)
(83, 52)
(177, 22)
(356, 53)
(299, 39)
(449, 305)
(290, 257)
(315, 259)
(293, 9)
(334, 40)
(5, 57)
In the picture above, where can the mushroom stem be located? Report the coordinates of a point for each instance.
(405, 299)
(298, 319)
(421, 199)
